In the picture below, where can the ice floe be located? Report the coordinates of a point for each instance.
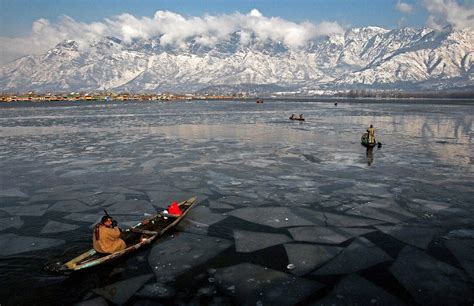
(463, 250)
(246, 241)
(430, 281)
(307, 257)
(15, 222)
(203, 215)
(11, 244)
(428, 206)
(418, 236)
(386, 211)
(270, 216)
(12, 193)
(121, 291)
(359, 255)
(98, 301)
(57, 227)
(250, 284)
(332, 219)
(132, 207)
(179, 253)
(26, 210)
(83, 217)
(356, 290)
(70, 206)
(156, 290)
(323, 234)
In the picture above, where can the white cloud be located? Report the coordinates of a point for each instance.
(443, 12)
(173, 28)
(404, 7)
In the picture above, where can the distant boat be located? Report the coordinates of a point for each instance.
(259, 101)
(296, 118)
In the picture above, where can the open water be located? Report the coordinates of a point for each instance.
(289, 212)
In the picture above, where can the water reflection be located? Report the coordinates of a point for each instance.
(370, 155)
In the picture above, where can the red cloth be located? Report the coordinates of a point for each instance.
(174, 209)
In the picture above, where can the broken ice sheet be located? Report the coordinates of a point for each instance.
(11, 244)
(246, 241)
(203, 215)
(121, 291)
(156, 290)
(15, 222)
(250, 284)
(331, 219)
(356, 290)
(323, 234)
(177, 254)
(386, 211)
(220, 205)
(270, 216)
(359, 255)
(89, 218)
(307, 257)
(132, 207)
(415, 235)
(70, 206)
(428, 206)
(57, 227)
(12, 193)
(27, 210)
(430, 281)
(463, 250)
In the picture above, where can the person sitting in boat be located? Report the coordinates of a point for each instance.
(371, 134)
(174, 209)
(293, 116)
(301, 116)
(106, 238)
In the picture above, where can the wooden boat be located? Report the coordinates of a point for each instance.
(364, 140)
(135, 237)
(296, 118)
(259, 101)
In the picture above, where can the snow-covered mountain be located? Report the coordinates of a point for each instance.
(367, 57)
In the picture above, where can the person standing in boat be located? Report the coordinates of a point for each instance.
(106, 238)
(301, 117)
(371, 134)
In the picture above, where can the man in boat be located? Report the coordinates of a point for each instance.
(371, 134)
(174, 209)
(292, 116)
(106, 238)
(301, 116)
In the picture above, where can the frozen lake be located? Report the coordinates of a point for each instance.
(288, 212)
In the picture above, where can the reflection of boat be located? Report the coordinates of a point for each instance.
(134, 237)
(259, 101)
(364, 140)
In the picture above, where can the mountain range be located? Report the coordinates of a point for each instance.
(368, 58)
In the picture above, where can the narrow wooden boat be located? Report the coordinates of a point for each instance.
(134, 237)
(296, 118)
(364, 140)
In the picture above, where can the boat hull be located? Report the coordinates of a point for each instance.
(364, 140)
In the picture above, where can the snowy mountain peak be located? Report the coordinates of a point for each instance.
(361, 57)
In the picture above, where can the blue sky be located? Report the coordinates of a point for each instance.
(17, 16)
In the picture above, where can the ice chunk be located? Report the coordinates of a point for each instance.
(246, 241)
(430, 281)
(98, 301)
(270, 216)
(419, 236)
(428, 206)
(175, 255)
(322, 234)
(12, 193)
(15, 222)
(121, 291)
(464, 233)
(235, 200)
(331, 219)
(113, 199)
(69, 206)
(356, 290)
(307, 257)
(89, 218)
(13, 244)
(220, 205)
(27, 210)
(250, 284)
(386, 211)
(464, 252)
(132, 207)
(359, 255)
(190, 226)
(156, 290)
(57, 227)
(204, 215)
